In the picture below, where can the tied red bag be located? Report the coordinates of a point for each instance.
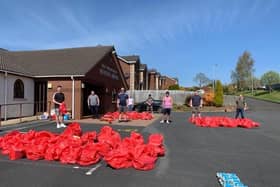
(62, 108)
(71, 147)
(89, 155)
(220, 121)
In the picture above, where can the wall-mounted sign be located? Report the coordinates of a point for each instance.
(108, 72)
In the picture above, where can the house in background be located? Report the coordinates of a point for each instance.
(131, 68)
(166, 82)
(77, 70)
(153, 79)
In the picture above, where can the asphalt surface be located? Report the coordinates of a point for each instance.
(194, 155)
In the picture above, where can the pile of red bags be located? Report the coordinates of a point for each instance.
(112, 116)
(220, 121)
(74, 147)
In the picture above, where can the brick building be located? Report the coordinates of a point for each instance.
(78, 70)
(135, 72)
(166, 82)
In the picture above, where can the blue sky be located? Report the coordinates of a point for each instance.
(179, 38)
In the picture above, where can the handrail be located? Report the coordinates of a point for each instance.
(20, 116)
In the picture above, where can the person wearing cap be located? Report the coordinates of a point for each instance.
(196, 103)
(167, 103)
(122, 103)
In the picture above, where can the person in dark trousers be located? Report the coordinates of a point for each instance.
(241, 106)
(196, 103)
(149, 102)
(58, 99)
(122, 103)
(93, 104)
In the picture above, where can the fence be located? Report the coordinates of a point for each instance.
(178, 96)
(20, 110)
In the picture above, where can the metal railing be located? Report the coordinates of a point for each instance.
(37, 108)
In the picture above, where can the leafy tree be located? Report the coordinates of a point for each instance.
(219, 95)
(270, 77)
(201, 79)
(242, 74)
(174, 87)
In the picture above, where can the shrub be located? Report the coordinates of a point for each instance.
(208, 98)
(174, 87)
(219, 95)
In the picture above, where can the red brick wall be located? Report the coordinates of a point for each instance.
(167, 82)
(152, 81)
(107, 82)
(125, 69)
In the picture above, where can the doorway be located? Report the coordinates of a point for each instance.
(99, 90)
(40, 97)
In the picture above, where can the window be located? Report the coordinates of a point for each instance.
(19, 89)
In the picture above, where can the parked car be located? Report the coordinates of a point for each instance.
(142, 106)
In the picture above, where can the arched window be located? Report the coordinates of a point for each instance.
(18, 89)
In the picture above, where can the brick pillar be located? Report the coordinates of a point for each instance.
(132, 76)
(157, 81)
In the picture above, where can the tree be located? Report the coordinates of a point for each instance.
(219, 95)
(243, 72)
(269, 78)
(201, 79)
(174, 87)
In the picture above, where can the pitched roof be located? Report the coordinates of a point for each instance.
(131, 58)
(7, 64)
(70, 61)
(143, 66)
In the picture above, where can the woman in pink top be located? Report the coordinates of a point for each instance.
(167, 103)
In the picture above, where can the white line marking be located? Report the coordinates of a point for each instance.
(38, 164)
(89, 172)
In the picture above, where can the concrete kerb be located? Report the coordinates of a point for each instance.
(19, 120)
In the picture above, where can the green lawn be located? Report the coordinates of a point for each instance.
(265, 95)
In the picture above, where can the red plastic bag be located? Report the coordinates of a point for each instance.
(89, 155)
(89, 137)
(74, 129)
(109, 136)
(70, 155)
(15, 154)
(143, 160)
(219, 121)
(119, 158)
(62, 108)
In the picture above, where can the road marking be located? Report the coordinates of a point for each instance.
(89, 172)
(38, 164)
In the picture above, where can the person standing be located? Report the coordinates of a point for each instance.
(122, 103)
(93, 104)
(58, 99)
(196, 103)
(241, 105)
(149, 102)
(167, 103)
(130, 103)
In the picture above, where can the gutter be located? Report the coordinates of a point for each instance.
(60, 76)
